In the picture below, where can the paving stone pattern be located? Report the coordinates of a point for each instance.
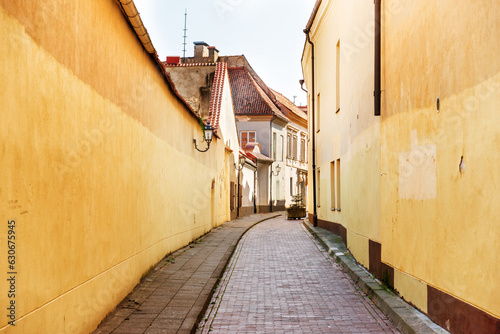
(280, 280)
(171, 298)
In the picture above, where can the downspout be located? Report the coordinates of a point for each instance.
(315, 216)
(377, 86)
(255, 188)
(238, 206)
(271, 169)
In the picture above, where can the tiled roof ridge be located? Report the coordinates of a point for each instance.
(217, 92)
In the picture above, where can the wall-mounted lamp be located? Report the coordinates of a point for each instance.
(209, 132)
(239, 167)
(240, 164)
(278, 169)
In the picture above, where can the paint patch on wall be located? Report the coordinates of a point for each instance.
(417, 171)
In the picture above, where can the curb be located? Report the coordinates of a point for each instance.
(405, 317)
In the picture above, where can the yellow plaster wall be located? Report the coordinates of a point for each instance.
(411, 290)
(97, 163)
(353, 133)
(440, 224)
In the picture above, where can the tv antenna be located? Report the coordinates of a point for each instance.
(294, 97)
(185, 33)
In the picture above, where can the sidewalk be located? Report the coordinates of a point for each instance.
(173, 296)
(406, 318)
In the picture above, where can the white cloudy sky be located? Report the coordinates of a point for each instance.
(268, 32)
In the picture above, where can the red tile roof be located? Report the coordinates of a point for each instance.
(216, 98)
(248, 97)
(167, 64)
(288, 106)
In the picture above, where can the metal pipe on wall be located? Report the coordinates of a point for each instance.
(313, 149)
(377, 85)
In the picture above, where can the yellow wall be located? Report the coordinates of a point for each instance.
(97, 163)
(352, 134)
(441, 225)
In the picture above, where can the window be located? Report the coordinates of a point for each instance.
(337, 74)
(333, 190)
(289, 145)
(318, 112)
(302, 148)
(282, 147)
(278, 195)
(294, 147)
(338, 184)
(247, 137)
(291, 186)
(274, 146)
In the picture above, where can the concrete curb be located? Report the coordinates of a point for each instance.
(406, 318)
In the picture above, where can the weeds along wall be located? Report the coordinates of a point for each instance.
(98, 167)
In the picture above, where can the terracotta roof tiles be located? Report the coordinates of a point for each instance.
(217, 92)
(289, 106)
(248, 97)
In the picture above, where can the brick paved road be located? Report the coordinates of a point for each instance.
(281, 281)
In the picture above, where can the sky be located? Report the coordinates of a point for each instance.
(268, 32)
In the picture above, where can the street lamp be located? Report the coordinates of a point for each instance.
(278, 169)
(208, 134)
(239, 167)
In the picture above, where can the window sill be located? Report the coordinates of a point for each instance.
(338, 210)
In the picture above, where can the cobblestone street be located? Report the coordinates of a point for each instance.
(280, 280)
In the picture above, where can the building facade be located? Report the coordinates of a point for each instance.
(407, 180)
(93, 146)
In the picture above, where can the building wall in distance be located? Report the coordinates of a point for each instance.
(350, 134)
(98, 165)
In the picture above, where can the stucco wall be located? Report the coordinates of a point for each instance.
(441, 177)
(97, 165)
(352, 133)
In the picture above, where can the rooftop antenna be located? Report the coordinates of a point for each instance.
(185, 33)
(294, 97)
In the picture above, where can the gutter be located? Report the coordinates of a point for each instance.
(377, 85)
(307, 31)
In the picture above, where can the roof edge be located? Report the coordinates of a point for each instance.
(313, 15)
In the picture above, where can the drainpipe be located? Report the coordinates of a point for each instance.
(271, 169)
(255, 188)
(315, 216)
(377, 86)
(238, 206)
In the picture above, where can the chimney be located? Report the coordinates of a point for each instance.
(173, 60)
(213, 54)
(200, 51)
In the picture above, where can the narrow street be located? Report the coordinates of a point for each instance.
(280, 280)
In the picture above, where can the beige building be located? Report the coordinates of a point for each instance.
(412, 192)
(94, 139)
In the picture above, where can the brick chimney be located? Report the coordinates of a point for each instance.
(213, 54)
(200, 51)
